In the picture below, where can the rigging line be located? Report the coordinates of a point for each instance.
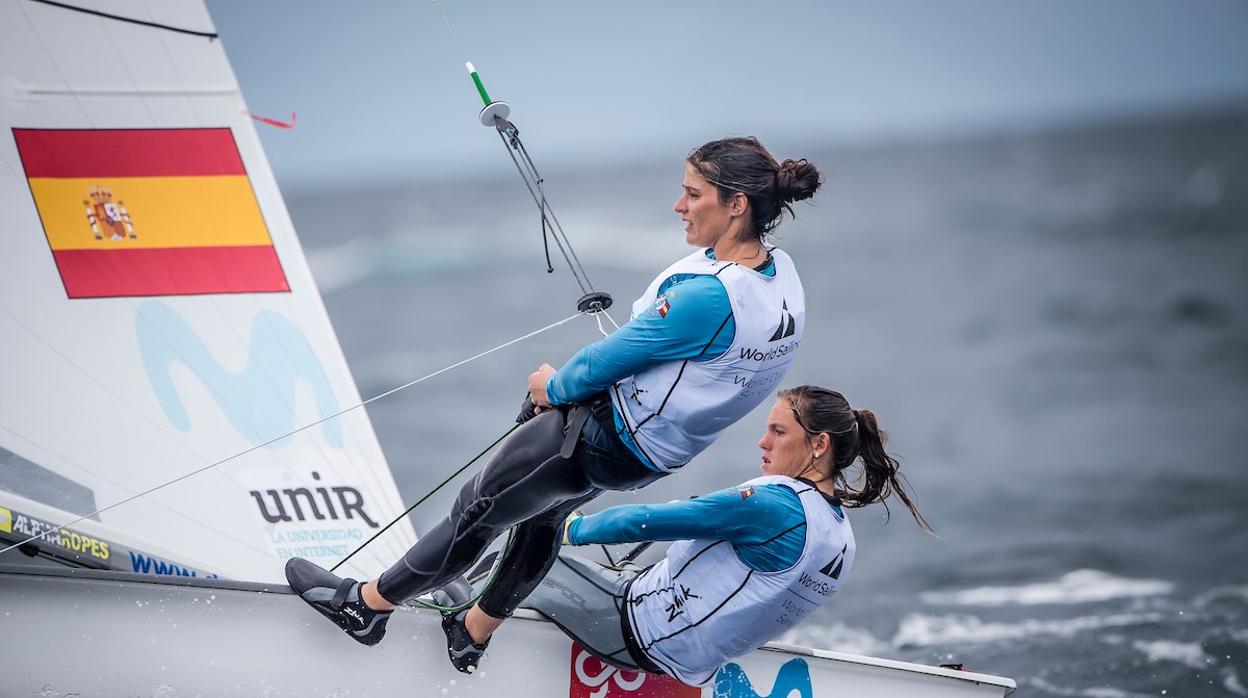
(538, 181)
(543, 208)
(211, 36)
(510, 136)
(603, 330)
(91, 377)
(125, 487)
(285, 299)
(298, 430)
(216, 303)
(431, 492)
(454, 37)
(525, 152)
(255, 433)
(557, 226)
(134, 410)
(51, 60)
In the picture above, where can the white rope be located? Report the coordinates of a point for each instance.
(305, 427)
(598, 316)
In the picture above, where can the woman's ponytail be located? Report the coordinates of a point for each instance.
(854, 434)
(880, 475)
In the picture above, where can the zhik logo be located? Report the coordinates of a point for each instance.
(354, 614)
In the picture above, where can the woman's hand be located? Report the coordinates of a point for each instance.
(537, 386)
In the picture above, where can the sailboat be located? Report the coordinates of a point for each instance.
(172, 426)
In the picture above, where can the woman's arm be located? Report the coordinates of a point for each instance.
(737, 515)
(692, 319)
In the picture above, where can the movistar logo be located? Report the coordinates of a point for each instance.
(833, 568)
(787, 324)
(732, 682)
(258, 399)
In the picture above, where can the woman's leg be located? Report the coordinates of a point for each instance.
(586, 601)
(606, 465)
(526, 561)
(525, 478)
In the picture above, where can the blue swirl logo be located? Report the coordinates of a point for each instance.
(258, 401)
(732, 682)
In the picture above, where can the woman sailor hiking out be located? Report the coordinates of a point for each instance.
(707, 342)
(750, 562)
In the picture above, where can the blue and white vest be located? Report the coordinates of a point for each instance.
(676, 409)
(701, 605)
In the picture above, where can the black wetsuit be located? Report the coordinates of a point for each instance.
(528, 482)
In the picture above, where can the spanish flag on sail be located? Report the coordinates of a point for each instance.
(149, 212)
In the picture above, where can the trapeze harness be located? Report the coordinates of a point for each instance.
(563, 458)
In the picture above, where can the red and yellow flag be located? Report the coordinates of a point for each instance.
(149, 212)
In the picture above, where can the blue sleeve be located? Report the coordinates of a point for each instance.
(739, 515)
(690, 319)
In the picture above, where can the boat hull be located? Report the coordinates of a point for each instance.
(103, 633)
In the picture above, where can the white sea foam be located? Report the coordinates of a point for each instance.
(647, 248)
(924, 630)
(1221, 593)
(837, 637)
(339, 266)
(1230, 681)
(1093, 692)
(398, 254)
(1187, 653)
(1080, 586)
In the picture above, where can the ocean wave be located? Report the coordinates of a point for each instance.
(1189, 654)
(1219, 594)
(917, 630)
(1080, 586)
(1092, 692)
(1231, 682)
(360, 259)
(837, 637)
(403, 253)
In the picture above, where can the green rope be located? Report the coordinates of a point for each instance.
(418, 602)
(427, 496)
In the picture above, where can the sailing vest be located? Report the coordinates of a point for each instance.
(676, 409)
(701, 605)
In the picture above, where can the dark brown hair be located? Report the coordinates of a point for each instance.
(743, 165)
(854, 434)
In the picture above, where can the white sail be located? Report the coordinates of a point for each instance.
(157, 314)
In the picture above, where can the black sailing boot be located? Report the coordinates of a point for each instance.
(464, 653)
(338, 600)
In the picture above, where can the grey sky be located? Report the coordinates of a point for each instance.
(381, 92)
